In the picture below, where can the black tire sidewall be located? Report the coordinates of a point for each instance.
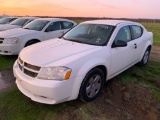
(141, 63)
(30, 43)
(82, 94)
(148, 56)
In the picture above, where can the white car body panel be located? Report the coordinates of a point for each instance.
(81, 58)
(58, 49)
(54, 34)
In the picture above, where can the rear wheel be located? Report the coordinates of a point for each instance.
(31, 43)
(145, 58)
(92, 85)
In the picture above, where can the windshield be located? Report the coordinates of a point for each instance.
(94, 34)
(36, 25)
(4, 20)
(19, 22)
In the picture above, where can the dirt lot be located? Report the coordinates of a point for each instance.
(117, 102)
(155, 53)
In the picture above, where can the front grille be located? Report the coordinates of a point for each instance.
(32, 67)
(1, 40)
(28, 69)
(29, 73)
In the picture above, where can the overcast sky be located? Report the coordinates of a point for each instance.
(86, 8)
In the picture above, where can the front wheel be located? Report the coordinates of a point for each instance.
(92, 85)
(145, 58)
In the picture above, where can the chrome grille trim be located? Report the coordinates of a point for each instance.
(36, 68)
(29, 73)
(28, 69)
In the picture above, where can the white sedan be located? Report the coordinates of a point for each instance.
(78, 64)
(7, 20)
(13, 41)
(17, 23)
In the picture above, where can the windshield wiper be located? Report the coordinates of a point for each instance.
(74, 40)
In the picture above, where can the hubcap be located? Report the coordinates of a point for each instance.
(93, 86)
(146, 56)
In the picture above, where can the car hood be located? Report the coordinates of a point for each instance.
(45, 53)
(8, 26)
(15, 32)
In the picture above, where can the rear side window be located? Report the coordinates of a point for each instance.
(66, 25)
(137, 31)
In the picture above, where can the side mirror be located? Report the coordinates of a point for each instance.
(119, 43)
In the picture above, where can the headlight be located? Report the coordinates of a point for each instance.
(54, 73)
(10, 40)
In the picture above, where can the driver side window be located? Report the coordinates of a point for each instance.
(124, 34)
(54, 26)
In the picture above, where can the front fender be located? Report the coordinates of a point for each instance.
(28, 38)
(90, 65)
(83, 71)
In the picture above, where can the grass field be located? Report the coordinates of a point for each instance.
(6, 62)
(155, 28)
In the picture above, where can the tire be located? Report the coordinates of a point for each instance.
(94, 82)
(31, 43)
(145, 58)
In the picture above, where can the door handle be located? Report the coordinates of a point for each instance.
(135, 45)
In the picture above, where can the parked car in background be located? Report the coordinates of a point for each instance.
(7, 20)
(18, 23)
(79, 63)
(13, 41)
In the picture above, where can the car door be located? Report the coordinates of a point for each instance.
(138, 41)
(122, 57)
(53, 31)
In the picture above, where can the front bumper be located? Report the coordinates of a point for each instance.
(9, 49)
(43, 91)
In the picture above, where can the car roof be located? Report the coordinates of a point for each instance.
(29, 17)
(108, 22)
(52, 19)
(11, 17)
